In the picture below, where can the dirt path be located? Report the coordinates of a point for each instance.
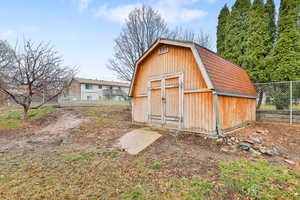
(56, 131)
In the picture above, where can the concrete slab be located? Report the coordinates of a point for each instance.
(137, 140)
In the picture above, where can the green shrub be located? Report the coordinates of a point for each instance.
(156, 165)
(280, 99)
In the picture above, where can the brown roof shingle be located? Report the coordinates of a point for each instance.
(226, 76)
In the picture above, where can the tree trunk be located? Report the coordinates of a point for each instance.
(25, 112)
(260, 97)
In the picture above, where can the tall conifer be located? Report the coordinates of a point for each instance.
(270, 17)
(258, 42)
(237, 32)
(286, 52)
(222, 30)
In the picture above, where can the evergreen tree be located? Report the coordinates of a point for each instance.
(258, 43)
(286, 52)
(237, 32)
(270, 17)
(222, 30)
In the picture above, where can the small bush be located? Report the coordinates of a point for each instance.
(156, 165)
(280, 99)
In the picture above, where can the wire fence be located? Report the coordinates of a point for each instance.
(104, 102)
(279, 101)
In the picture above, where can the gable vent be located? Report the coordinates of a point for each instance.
(163, 50)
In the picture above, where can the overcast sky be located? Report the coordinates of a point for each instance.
(83, 30)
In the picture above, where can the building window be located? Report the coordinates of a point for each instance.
(88, 86)
(163, 50)
(110, 87)
(100, 86)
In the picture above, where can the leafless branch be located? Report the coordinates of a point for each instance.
(143, 27)
(36, 69)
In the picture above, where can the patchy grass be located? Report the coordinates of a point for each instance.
(13, 118)
(89, 175)
(260, 180)
(272, 107)
(156, 165)
(182, 167)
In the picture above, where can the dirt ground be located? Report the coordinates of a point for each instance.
(184, 154)
(47, 132)
(283, 137)
(70, 154)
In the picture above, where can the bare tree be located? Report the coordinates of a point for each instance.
(35, 69)
(6, 54)
(142, 28)
(186, 34)
(6, 60)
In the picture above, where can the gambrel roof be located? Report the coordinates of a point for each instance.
(219, 74)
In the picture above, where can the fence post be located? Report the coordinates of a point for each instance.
(291, 102)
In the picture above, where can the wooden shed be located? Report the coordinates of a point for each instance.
(185, 86)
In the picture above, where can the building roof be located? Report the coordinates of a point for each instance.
(101, 82)
(219, 74)
(225, 76)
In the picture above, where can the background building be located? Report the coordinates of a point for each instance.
(91, 89)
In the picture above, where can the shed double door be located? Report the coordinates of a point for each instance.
(165, 101)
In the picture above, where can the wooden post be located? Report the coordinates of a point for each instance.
(163, 102)
(291, 102)
(181, 99)
(149, 103)
(217, 114)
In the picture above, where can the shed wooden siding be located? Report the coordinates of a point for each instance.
(139, 113)
(235, 110)
(199, 112)
(198, 106)
(178, 59)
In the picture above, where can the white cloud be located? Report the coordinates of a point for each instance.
(211, 1)
(191, 14)
(29, 29)
(116, 14)
(8, 34)
(84, 4)
(173, 11)
(176, 11)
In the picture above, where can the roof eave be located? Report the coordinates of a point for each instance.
(234, 94)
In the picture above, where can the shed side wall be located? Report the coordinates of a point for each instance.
(199, 112)
(139, 109)
(235, 111)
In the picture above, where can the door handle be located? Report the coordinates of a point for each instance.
(163, 99)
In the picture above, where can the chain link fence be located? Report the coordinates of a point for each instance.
(67, 101)
(278, 101)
